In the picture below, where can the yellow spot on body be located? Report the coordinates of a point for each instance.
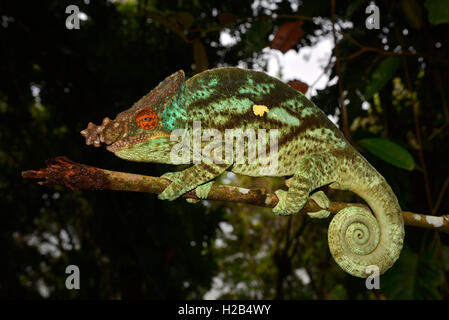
(259, 110)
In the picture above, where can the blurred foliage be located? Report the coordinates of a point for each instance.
(381, 76)
(388, 151)
(54, 81)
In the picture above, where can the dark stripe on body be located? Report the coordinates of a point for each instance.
(230, 80)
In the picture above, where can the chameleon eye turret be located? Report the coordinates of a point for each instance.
(146, 119)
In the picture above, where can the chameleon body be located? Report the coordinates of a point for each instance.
(311, 150)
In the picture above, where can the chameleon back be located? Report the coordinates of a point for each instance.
(234, 98)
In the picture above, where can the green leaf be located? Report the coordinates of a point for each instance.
(438, 11)
(389, 151)
(414, 276)
(380, 77)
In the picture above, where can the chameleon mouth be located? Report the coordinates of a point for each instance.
(133, 140)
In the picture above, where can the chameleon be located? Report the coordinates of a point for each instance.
(311, 151)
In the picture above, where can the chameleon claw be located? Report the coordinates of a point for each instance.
(282, 208)
(323, 201)
(175, 189)
(203, 190)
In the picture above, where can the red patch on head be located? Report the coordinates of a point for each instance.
(147, 119)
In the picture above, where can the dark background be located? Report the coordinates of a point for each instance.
(53, 81)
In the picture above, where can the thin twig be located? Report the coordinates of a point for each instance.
(417, 127)
(325, 71)
(363, 48)
(438, 131)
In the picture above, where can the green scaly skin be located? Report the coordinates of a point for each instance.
(310, 149)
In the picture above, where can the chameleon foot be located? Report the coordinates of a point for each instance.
(190, 178)
(175, 188)
(201, 192)
(289, 203)
(323, 201)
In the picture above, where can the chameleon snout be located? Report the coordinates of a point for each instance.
(105, 134)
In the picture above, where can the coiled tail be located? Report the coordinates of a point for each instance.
(357, 239)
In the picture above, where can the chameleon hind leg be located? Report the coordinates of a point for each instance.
(190, 178)
(323, 201)
(313, 171)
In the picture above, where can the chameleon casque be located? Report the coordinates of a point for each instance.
(311, 149)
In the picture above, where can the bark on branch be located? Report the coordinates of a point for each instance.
(76, 176)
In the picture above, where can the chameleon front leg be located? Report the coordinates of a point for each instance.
(313, 171)
(198, 190)
(190, 178)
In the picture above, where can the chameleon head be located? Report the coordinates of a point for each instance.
(142, 133)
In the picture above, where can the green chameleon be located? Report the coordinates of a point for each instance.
(309, 148)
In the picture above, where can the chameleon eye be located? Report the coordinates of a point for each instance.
(146, 119)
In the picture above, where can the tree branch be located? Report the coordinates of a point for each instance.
(364, 48)
(76, 176)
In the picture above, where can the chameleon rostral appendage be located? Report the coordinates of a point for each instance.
(306, 146)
